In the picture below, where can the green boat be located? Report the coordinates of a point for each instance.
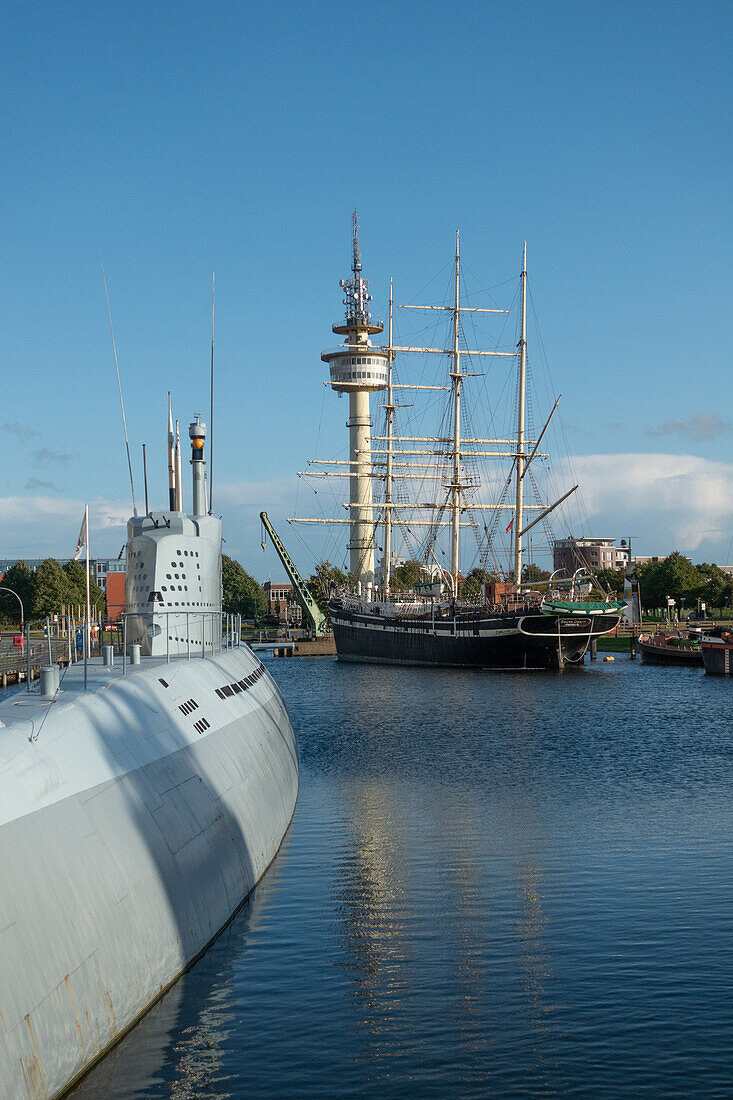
(583, 608)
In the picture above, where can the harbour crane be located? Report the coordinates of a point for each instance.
(311, 610)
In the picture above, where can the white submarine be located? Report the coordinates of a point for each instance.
(138, 814)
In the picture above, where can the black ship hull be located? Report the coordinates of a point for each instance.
(652, 654)
(717, 655)
(504, 640)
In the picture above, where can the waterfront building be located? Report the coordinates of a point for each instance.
(589, 552)
(281, 602)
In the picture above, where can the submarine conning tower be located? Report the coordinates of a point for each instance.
(358, 368)
(173, 582)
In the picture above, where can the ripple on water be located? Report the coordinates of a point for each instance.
(493, 884)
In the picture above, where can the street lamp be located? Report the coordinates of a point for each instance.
(12, 592)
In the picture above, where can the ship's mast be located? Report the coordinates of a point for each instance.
(388, 479)
(518, 515)
(357, 367)
(456, 379)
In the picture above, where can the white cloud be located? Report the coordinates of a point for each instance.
(48, 526)
(664, 501)
(671, 501)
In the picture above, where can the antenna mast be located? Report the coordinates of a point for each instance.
(179, 472)
(145, 481)
(171, 459)
(211, 410)
(119, 387)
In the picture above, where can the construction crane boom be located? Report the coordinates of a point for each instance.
(311, 610)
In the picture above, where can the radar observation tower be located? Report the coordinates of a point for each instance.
(358, 368)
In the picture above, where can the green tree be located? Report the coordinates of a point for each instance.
(610, 580)
(52, 589)
(76, 581)
(471, 588)
(407, 575)
(715, 585)
(321, 581)
(675, 576)
(242, 594)
(76, 588)
(22, 580)
(532, 573)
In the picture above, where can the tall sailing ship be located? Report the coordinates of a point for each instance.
(515, 625)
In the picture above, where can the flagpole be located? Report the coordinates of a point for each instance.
(86, 651)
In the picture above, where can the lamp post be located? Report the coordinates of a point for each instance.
(13, 593)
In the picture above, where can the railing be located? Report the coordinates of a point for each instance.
(188, 634)
(174, 634)
(633, 630)
(16, 658)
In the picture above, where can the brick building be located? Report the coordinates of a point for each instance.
(281, 602)
(115, 592)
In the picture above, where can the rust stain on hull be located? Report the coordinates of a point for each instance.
(67, 982)
(35, 1082)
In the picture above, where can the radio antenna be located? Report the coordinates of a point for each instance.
(211, 410)
(119, 387)
(145, 480)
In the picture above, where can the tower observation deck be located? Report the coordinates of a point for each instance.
(358, 368)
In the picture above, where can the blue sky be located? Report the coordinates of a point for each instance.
(171, 140)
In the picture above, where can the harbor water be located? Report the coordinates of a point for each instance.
(493, 885)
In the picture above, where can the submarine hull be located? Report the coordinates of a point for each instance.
(134, 819)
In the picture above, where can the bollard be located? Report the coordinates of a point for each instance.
(49, 681)
(135, 654)
(108, 656)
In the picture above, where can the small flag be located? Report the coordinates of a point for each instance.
(511, 524)
(82, 540)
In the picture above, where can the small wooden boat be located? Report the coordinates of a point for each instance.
(670, 649)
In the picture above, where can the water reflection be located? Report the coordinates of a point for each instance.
(180, 1047)
(481, 894)
(370, 901)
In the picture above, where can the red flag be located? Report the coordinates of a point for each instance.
(511, 524)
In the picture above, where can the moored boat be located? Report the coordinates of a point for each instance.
(509, 624)
(670, 649)
(717, 651)
(525, 637)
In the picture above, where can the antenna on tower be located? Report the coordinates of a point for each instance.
(171, 459)
(356, 289)
(145, 481)
(119, 387)
(211, 410)
(179, 472)
(356, 266)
